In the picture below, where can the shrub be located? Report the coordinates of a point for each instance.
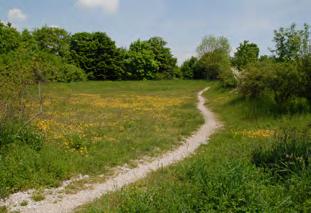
(253, 80)
(282, 80)
(285, 81)
(71, 73)
(290, 153)
(227, 78)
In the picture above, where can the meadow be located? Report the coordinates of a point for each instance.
(226, 175)
(90, 127)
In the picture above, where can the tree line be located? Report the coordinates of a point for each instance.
(64, 57)
(284, 77)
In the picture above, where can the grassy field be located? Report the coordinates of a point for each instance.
(90, 127)
(222, 176)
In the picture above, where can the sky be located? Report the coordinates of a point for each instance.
(182, 23)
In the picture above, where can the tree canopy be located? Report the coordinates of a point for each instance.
(291, 43)
(53, 40)
(211, 43)
(246, 53)
(97, 55)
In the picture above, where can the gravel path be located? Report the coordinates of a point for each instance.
(55, 203)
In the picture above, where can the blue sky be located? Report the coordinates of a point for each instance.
(182, 23)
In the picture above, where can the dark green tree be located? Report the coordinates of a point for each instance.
(164, 57)
(97, 55)
(246, 53)
(188, 68)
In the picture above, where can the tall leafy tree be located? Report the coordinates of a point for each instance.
(141, 63)
(188, 68)
(246, 53)
(212, 64)
(291, 43)
(97, 55)
(53, 40)
(164, 57)
(212, 43)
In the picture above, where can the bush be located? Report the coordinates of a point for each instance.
(253, 80)
(284, 80)
(54, 68)
(71, 73)
(228, 79)
(290, 153)
(280, 80)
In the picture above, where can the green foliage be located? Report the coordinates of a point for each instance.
(305, 68)
(10, 39)
(290, 43)
(227, 78)
(53, 40)
(16, 132)
(253, 80)
(71, 73)
(282, 80)
(188, 68)
(290, 154)
(212, 64)
(140, 62)
(149, 60)
(212, 43)
(246, 53)
(97, 55)
(164, 57)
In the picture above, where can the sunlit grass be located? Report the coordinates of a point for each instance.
(221, 177)
(90, 127)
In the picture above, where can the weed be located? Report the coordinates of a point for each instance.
(24, 203)
(38, 196)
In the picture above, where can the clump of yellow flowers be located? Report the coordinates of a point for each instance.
(259, 133)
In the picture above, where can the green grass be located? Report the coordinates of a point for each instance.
(90, 127)
(221, 177)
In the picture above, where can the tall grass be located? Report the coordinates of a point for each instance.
(290, 153)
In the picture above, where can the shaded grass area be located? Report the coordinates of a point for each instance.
(90, 127)
(222, 176)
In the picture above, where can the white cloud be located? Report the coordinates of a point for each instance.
(110, 6)
(16, 14)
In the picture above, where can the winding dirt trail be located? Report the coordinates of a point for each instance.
(69, 202)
